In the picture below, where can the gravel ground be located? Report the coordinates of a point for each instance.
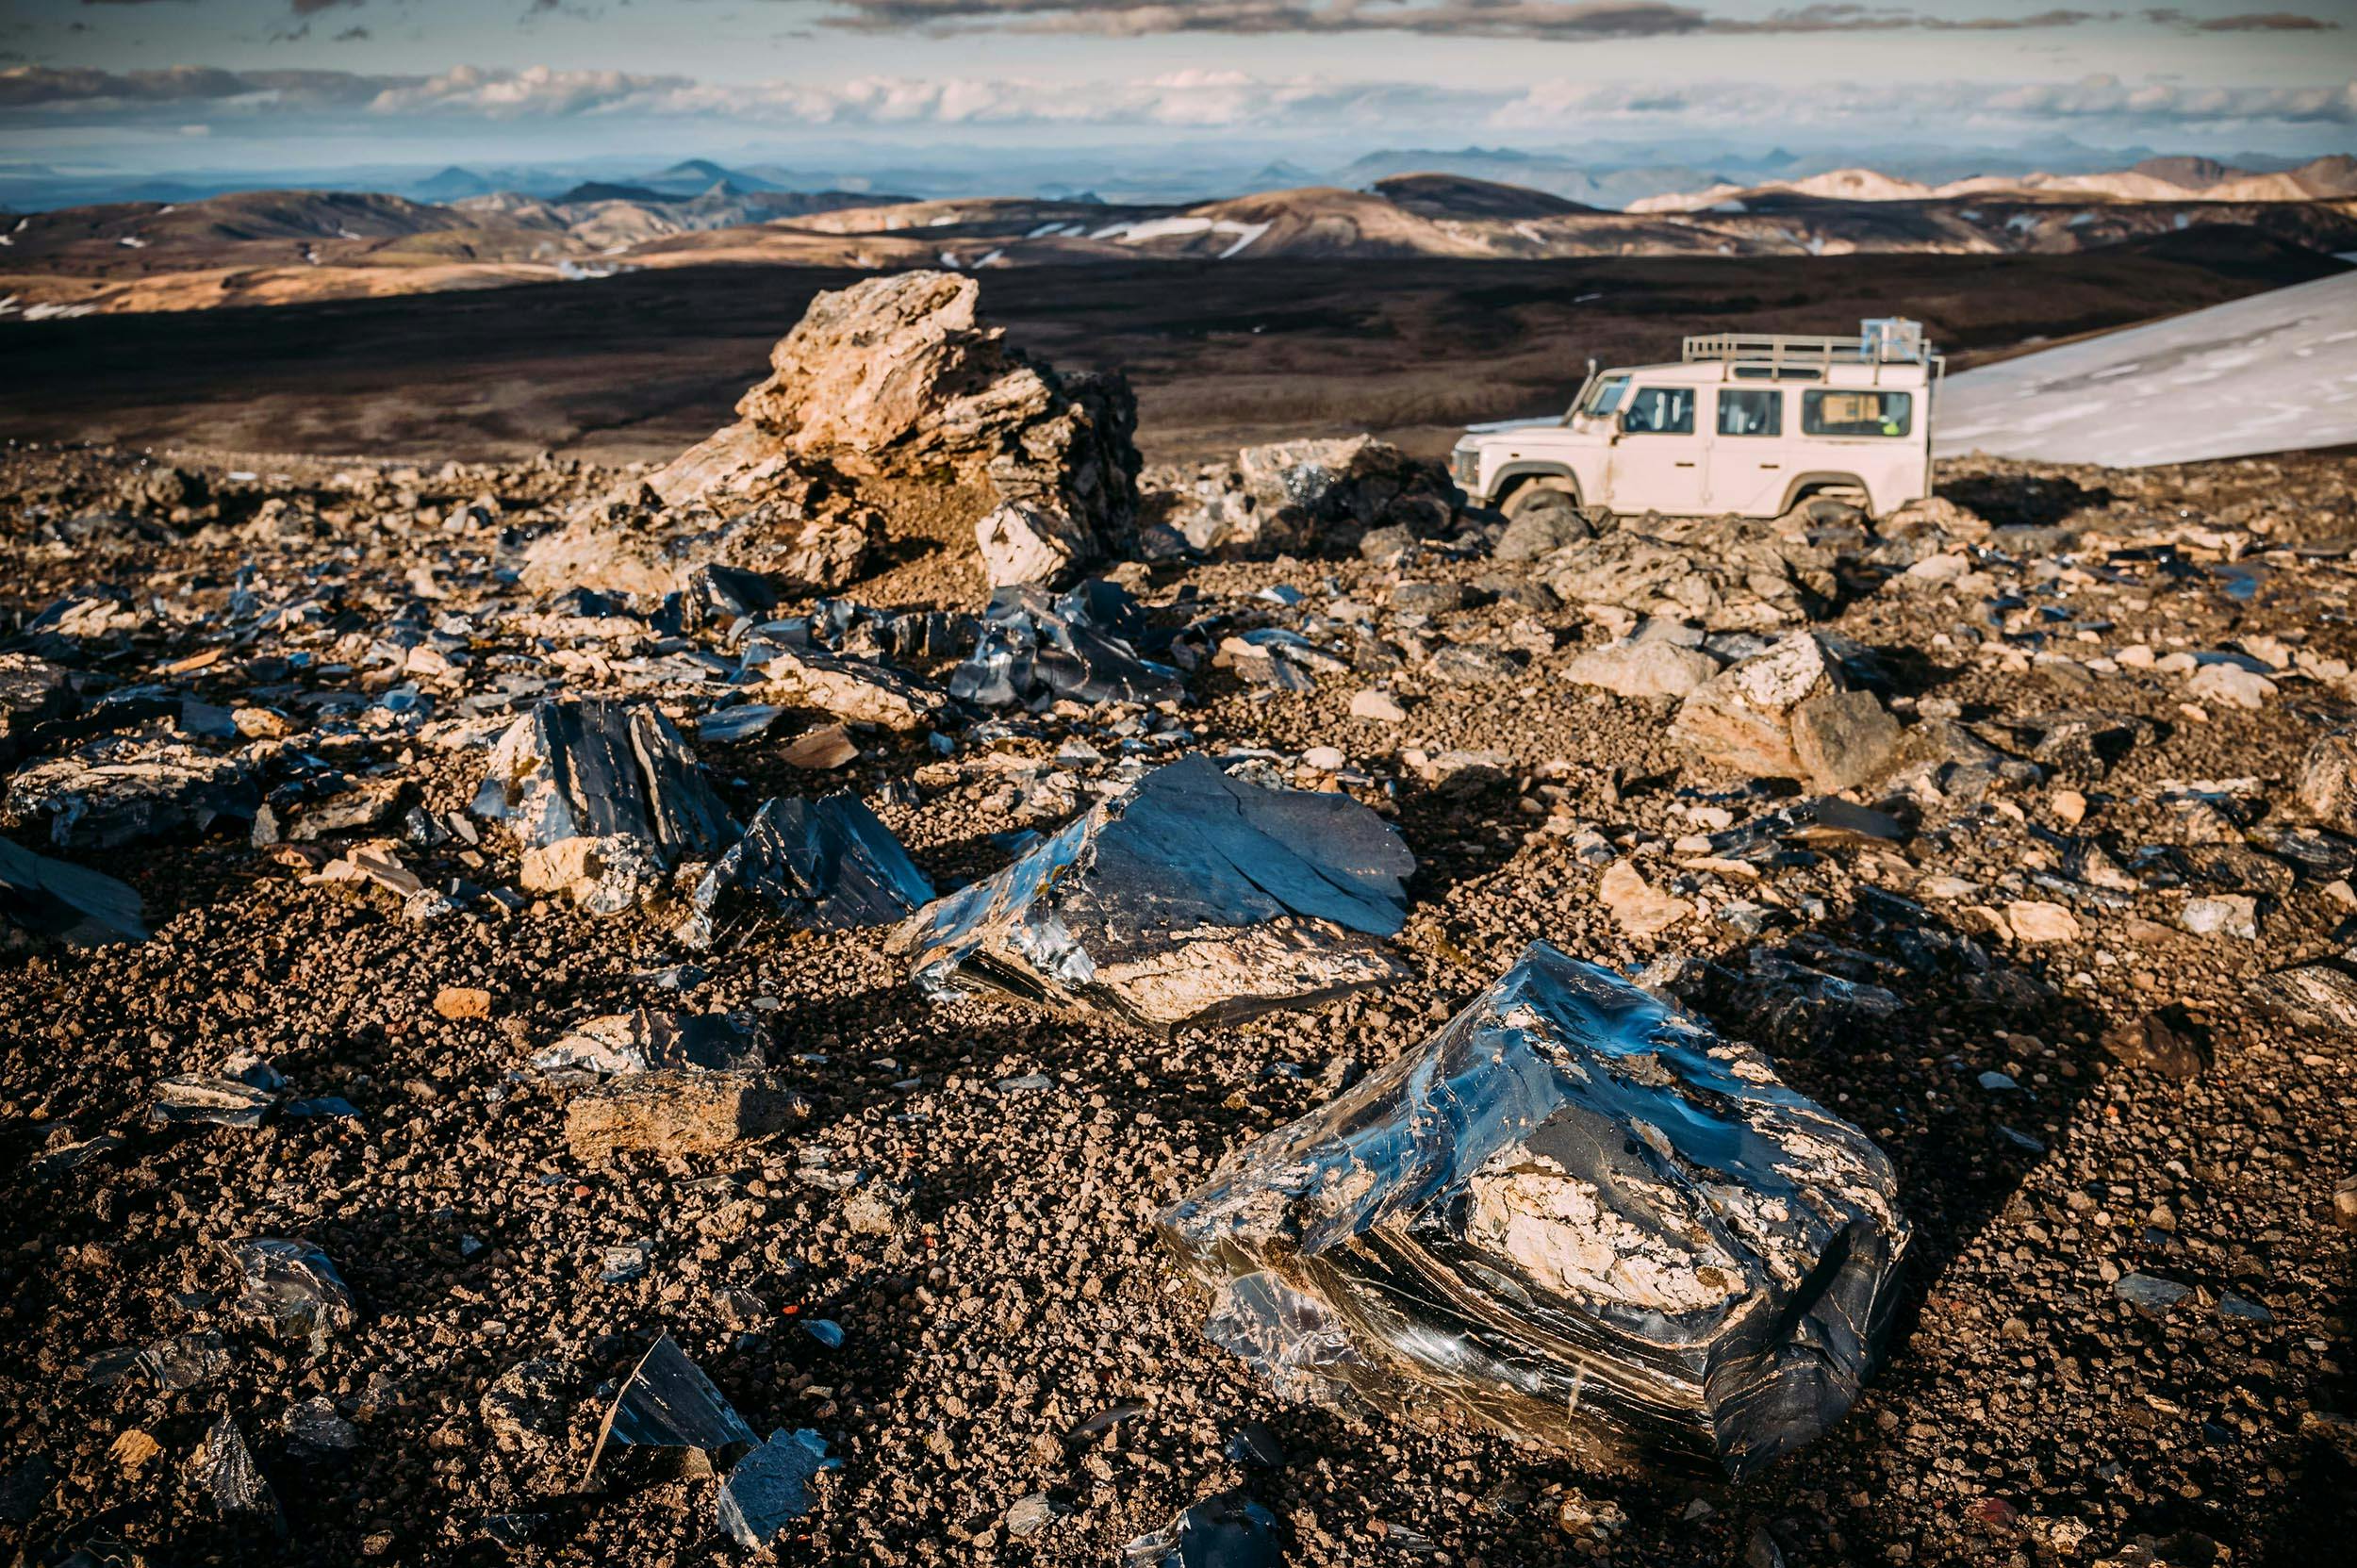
(1008, 1327)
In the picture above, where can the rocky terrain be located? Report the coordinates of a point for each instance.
(470, 1097)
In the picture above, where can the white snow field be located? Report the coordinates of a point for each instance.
(2274, 373)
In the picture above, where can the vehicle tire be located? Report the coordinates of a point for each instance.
(1833, 505)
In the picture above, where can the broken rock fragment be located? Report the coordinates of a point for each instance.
(604, 798)
(769, 1487)
(853, 688)
(2167, 1042)
(2321, 995)
(1575, 1216)
(596, 769)
(620, 1044)
(224, 1467)
(1225, 1530)
(125, 788)
(2327, 780)
(33, 692)
(829, 865)
(1726, 574)
(293, 1289)
(1192, 896)
(53, 897)
(1642, 667)
(685, 1112)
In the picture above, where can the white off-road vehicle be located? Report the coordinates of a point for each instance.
(1744, 425)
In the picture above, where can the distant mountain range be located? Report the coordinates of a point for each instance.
(1597, 173)
(2164, 179)
(274, 247)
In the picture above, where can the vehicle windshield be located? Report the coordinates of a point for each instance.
(1606, 399)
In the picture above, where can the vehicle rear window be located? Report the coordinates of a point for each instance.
(1859, 413)
(1661, 411)
(1746, 411)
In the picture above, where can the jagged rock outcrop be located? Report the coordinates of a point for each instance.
(889, 410)
(893, 378)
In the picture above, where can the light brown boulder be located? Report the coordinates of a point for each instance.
(1646, 667)
(682, 1112)
(1742, 719)
(1788, 714)
(2327, 780)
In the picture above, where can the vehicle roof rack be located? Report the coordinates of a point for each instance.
(1880, 340)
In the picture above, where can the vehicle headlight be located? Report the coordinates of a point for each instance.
(1465, 465)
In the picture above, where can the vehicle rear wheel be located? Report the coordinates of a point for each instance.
(1831, 505)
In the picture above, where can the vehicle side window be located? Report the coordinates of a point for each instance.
(1661, 411)
(1860, 413)
(1750, 411)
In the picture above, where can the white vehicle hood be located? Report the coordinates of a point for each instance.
(1512, 424)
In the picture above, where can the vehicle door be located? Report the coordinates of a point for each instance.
(1659, 453)
(1749, 466)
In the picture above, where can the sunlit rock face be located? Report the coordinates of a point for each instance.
(1576, 1216)
(1191, 897)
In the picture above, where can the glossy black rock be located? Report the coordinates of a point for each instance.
(829, 865)
(1190, 897)
(595, 770)
(1082, 645)
(1575, 1216)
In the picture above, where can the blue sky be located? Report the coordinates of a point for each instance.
(180, 83)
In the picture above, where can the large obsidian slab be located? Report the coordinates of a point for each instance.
(1575, 1216)
(596, 769)
(1190, 897)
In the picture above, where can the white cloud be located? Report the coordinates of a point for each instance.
(1197, 99)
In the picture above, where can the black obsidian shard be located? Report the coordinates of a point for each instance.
(596, 769)
(293, 1288)
(1082, 645)
(829, 865)
(55, 898)
(1188, 898)
(667, 1402)
(769, 1489)
(1575, 1216)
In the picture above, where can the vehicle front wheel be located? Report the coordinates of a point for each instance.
(1555, 497)
(1542, 516)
